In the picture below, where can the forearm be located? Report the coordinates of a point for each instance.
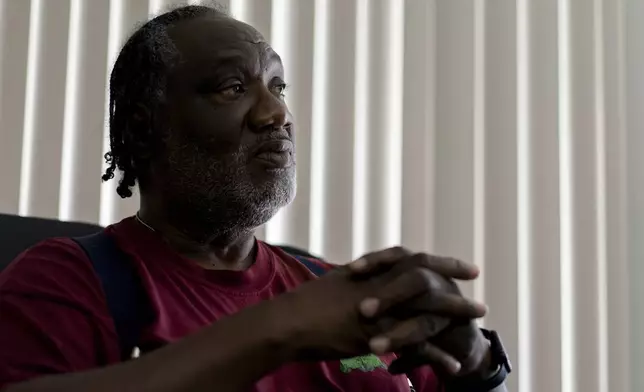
(227, 356)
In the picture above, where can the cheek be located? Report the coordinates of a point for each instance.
(219, 130)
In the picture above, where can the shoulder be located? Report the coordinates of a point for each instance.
(54, 316)
(298, 261)
(56, 270)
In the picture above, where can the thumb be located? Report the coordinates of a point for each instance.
(375, 262)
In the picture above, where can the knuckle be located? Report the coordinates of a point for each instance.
(370, 256)
(423, 258)
(452, 263)
(420, 261)
(427, 350)
(398, 251)
(386, 254)
(458, 265)
(453, 287)
(428, 325)
(468, 306)
(430, 261)
(424, 277)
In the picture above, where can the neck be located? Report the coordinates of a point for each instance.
(224, 250)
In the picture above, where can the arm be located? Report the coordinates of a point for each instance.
(56, 331)
(227, 355)
(220, 356)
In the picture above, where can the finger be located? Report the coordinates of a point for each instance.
(372, 262)
(419, 283)
(448, 266)
(401, 289)
(441, 304)
(409, 332)
(425, 354)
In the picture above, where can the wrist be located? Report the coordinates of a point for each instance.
(485, 367)
(479, 363)
(489, 373)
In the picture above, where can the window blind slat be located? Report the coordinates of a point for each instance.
(454, 154)
(124, 15)
(634, 56)
(377, 166)
(257, 14)
(333, 111)
(617, 274)
(292, 34)
(83, 139)
(14, 43)
(44, 119)
(539, 233)
(588, 246)
(500, 174)
(418, 171)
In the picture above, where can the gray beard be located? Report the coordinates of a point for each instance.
(216, 199)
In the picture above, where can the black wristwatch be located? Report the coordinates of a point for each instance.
(499, 359)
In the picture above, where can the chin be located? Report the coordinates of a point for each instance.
(278, 180)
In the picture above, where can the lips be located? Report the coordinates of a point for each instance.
(275, 154)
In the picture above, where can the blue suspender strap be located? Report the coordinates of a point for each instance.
(124, 293)
(312, 266)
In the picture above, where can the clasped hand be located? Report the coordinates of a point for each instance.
(393, 301)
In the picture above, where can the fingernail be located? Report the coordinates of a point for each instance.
(369, 307)
(358, 265)
(379, 345)
(455, 367)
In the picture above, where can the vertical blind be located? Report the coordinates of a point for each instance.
(506, 132)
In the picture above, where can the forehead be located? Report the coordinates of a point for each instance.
(216, 38)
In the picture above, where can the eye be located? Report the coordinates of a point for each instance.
(233, 90)
(279, 90)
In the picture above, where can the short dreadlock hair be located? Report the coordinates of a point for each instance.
(138, 78)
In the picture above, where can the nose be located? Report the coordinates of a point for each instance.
(269, 112)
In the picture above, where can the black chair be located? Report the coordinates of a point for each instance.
(18, 233)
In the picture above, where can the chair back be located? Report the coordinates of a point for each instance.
(18, 233)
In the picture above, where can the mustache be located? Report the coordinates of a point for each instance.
(214, 153)
(276, 135)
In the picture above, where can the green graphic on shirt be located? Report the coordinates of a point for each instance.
(365, 363)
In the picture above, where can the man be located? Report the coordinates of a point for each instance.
(198, 120)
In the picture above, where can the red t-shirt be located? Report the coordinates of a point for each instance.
(54, 319)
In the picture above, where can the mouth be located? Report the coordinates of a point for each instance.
(275, 154)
